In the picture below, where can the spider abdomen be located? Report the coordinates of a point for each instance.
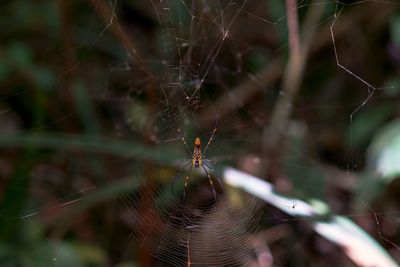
(197, 156)
(196, 163)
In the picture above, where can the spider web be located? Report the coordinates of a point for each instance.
(207, 61)
(178, 233)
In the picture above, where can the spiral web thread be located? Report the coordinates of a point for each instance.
(183, 234)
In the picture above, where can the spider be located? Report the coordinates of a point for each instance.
(197, 159)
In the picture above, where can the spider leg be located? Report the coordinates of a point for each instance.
(186, 182)
(182, 138)
(211, 138)
(209, 160)
(179, 172)
(212, 170)
(209, 179)
(182, 161)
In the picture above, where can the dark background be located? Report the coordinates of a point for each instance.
(92, 92)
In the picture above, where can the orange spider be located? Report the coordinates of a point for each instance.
(197, 159)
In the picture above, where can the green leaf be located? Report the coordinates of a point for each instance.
(365, 123)
(384, 152)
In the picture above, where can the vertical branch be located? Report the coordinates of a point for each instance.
(291, 80)
(298, 52)
(293, 28)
